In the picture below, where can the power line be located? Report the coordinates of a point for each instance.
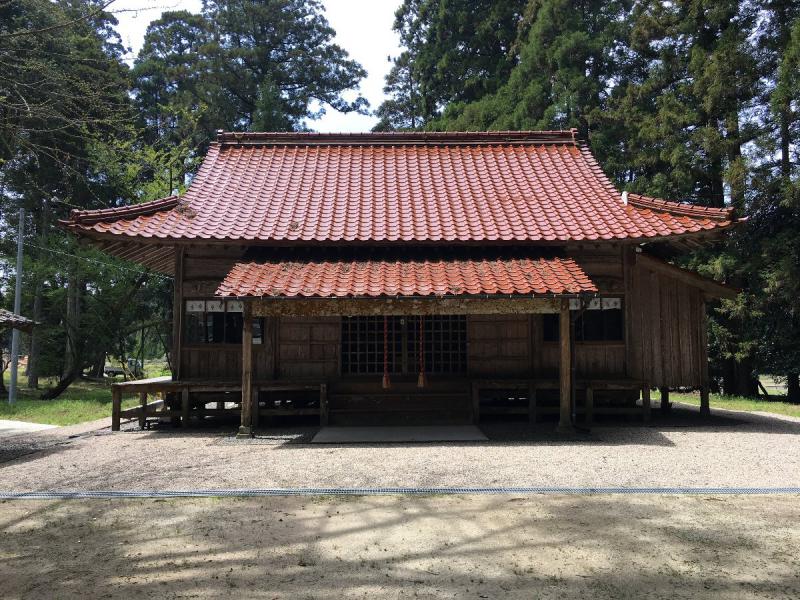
(99, 262)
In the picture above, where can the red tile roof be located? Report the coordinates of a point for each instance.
(400, 187)
(458, 277)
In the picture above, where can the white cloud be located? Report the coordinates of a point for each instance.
(363, 28)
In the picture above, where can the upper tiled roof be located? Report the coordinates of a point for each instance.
(400, 187)
(373, 278)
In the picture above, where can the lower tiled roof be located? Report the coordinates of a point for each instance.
(14, 321)
(385, 278)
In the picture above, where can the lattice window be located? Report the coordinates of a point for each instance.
(445, 344)
(362, 344)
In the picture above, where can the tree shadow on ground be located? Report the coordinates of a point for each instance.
(462, 546)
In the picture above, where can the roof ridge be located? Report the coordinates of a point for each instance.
(260, 138)
(680, 208)
(87, 216)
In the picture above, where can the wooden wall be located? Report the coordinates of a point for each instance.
(498, 345)
(664, 344)
(308, 348)
(667, 329)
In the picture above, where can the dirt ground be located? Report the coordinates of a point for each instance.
(686, 450)
(536, 546)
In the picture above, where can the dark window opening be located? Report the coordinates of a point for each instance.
(216, 326)
(363, 344)
(592, 326)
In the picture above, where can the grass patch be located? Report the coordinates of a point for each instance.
(82, 401)
(776, 406)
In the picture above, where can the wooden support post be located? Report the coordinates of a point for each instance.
(177, 316)
(705, 404)
(323, 405)
(531, 404)
(665, 405)
(246, 427)
(476, 403)
(255, 417)
(142, 409)
(646, 402)
(116, 407)
(565, 418)
(589, 405)
(185, 407)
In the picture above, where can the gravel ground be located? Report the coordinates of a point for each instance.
(730, 450)
(593, 547)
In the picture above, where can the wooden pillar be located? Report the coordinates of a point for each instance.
(177, 315)
(476, 404)
(323, 405)
(531, 403)
(646, 402)
(246, 427)
(116, 407)
(142, 409)
(705, 404)
(589, 405)
(665, 405)
(185, 406)
(565, 408)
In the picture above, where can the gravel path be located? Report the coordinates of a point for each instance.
(730, 450)
(598, 547)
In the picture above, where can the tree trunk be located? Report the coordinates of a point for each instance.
(793, 388)
(738, 379)
(33, 354)
(63, 384)
(72, 324)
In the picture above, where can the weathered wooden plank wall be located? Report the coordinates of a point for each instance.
(666, 321)
(308, 348)
(498, 345)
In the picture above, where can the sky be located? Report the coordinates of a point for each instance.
(363, 29)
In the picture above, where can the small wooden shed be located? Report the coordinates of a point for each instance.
(418, 277)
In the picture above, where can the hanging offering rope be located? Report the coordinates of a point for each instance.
(386, 383)
(421, 342)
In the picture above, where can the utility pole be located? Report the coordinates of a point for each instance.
(12, 389)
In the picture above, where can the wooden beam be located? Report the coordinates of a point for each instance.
(332, 307)
(709, 286)
(646, 403)
(565, 387)
(705, 404)
(246, 427)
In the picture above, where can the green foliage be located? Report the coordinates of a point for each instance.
(457, 51)
(241, 65)
(84, 401)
